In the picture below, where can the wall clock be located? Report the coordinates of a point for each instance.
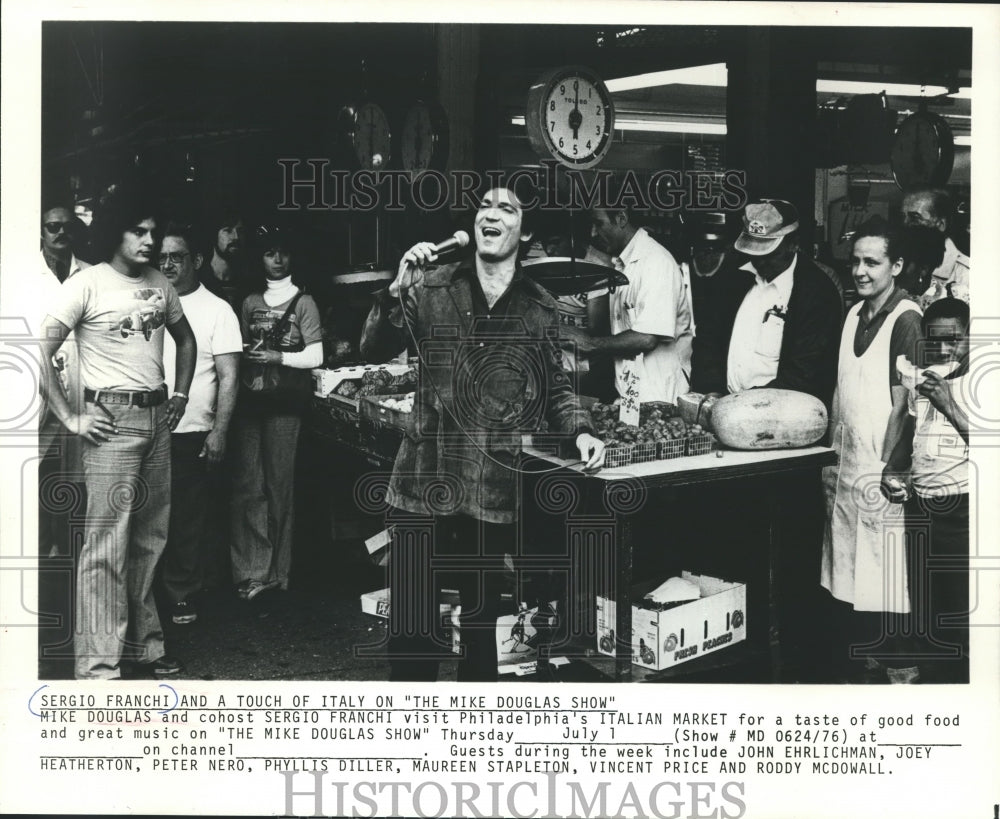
(923, 151)
(370, 136)
(570, 116)
(424, 138)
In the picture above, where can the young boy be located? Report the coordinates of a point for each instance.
(932, 458)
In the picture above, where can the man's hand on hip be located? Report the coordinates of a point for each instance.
(92, 428)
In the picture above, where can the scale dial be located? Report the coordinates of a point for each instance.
(923, 151)
(371, 137)
(424, 141)
(571, 116)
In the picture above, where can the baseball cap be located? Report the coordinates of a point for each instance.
(765, 223)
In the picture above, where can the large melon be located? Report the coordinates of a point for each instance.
(769, 419)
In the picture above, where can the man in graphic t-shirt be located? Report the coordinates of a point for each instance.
(118, 310)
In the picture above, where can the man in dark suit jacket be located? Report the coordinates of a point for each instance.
(778, 319)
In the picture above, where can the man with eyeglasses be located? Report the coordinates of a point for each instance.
(60, 455)
(58, 227)
(119, 310)
(198, 443)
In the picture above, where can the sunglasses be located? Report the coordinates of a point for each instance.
(57, 227)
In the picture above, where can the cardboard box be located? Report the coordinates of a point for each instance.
(378, 550)
(326, 381)
(377, 603)
(517, 652)
(516, 637)
(663, 637)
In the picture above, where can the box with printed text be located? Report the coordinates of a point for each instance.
(667, 635)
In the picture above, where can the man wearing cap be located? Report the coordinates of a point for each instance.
(779, 325)
(932, 208)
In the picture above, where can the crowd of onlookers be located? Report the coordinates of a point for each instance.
(168, 357)
(184, 347)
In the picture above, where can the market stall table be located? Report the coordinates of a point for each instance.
(601, 487)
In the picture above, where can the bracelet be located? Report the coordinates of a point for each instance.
(180, 395)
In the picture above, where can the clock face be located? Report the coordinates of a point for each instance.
(571, 115)
(372, 139)
(423, 138)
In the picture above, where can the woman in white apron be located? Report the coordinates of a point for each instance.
(863, 561)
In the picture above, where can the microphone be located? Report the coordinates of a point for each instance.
(460, 239)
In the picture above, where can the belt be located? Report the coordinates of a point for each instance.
(131, 398)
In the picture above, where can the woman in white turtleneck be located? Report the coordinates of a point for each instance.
(267, 421)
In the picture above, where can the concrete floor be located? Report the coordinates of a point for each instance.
(314, 631)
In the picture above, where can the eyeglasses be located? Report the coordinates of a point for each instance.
(174, 258)
(57, 227)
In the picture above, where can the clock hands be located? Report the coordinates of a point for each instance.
(575, 117)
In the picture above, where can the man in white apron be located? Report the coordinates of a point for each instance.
(863, 562)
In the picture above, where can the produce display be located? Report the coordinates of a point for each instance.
(655, 424)
(661, 434)
(376, 382)
(404, 404)
(382, 382)
(348, 389)
(769, 419)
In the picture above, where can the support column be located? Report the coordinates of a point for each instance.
(457, 73)
(771, 115)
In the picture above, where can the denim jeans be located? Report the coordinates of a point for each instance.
(183, 561)
(128, 511)
(263, 496)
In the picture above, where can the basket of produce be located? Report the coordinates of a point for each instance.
(394, 410)
(644, 452)
(671, 448)
(699, 443)
(346, 385)
(661, 435)
(617, 455)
